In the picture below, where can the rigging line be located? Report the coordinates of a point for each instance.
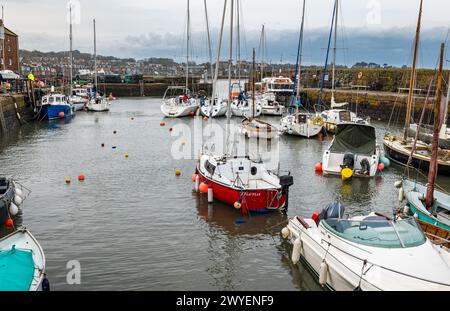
(319, 99)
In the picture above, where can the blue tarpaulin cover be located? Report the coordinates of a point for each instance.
(16, 270)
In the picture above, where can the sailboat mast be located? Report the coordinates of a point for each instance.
(298, 69)
(187, 43)
(216, 74)
(209, 41)
(444, 125)
(432, 173)
(334, 52)
(230, 60)
(71, 51)
(238, 10)
(95, 59)
(263, 43)
(412, 81)
(253, 85)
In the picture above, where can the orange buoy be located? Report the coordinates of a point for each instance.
(203, 187)
(81, 178)
(319, 168)
(192, 114)
(194, 177)
(61, 114)
(162, 124)
(205, 118)
(381, 167)
(9, 223)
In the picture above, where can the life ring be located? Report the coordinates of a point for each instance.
(318, 121)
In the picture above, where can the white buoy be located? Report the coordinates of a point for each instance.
(398, 184)
(13, 209)
(19, 192)
(400, 195)
(17, 200)
(197, 183)
(323, 273)
(210, 195)
(296, 252)
(285, 233)
(416, 215)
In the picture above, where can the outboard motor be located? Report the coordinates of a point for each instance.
(349, 161)
(365, 167)
(332, 211)
(286, 182)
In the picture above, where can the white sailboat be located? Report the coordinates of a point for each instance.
(301, 124)
(339, 112)
(253, 127)
(368, 253)
(97, 103)
(175, 105)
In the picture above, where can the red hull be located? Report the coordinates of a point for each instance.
(253, 200)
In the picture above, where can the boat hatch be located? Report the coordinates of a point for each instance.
(376, 231)
(210, 167)
(302, 118)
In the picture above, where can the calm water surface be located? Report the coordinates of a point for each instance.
(134, 225)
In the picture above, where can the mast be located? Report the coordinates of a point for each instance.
(298, 69)
(187, 43)
(216, 74)
(253, 85)
(319, 99)
(71, 51)
(95, 59)
(209, 42)
(334, 52)
(432, 174)
(263, 43)
(412, 81)
(230, 60)
(444, 125)
(238, 9)
(4, 39)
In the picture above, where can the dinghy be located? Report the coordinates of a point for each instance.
(301, 124)
(368, 253)
(353, 152)
(22, 262)
(11, 198)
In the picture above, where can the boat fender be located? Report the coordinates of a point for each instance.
(18, 192)
(13, 209)
(398, 184)
(406, 210)
(400, 194)
(296, 252)
(285, 233)
(210, 195)
(416, 216)
(45, 284)
(323, 273)
(197, 183)
(18, 200)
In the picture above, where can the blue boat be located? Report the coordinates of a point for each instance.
(55, 106)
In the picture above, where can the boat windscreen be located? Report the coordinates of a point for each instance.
(378, 232)
(355, 138)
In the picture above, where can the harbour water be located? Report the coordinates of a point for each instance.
(134, 225)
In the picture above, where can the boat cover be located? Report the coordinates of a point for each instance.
(354, 138)
(16, 270)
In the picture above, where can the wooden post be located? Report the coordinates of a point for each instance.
(432, 173)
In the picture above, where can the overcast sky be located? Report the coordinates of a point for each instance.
(370, 30)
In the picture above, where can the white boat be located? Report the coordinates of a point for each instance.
(270, 106)
(22, 262)
(78, 102)
(279, 86)
(175, 105)
(213, 108)
(254, 128)
(243, 108)
(353, 152)
(98, 104)
(301, 124)
(368, 253)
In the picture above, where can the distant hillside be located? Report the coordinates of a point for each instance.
(76, 54)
